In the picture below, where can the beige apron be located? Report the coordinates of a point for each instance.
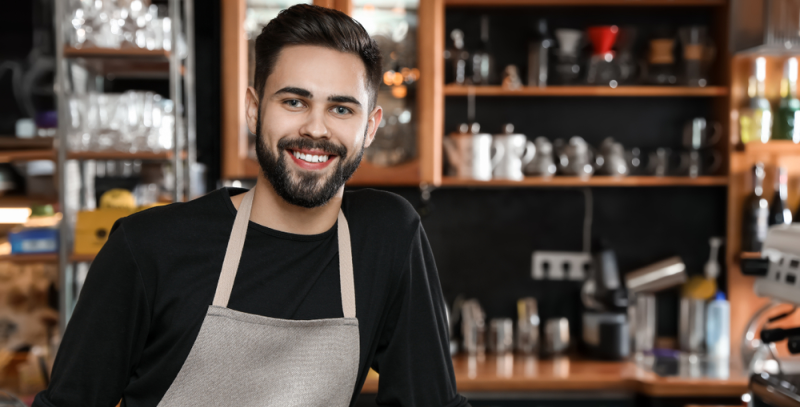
(241, 359)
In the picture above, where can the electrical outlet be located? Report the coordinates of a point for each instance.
(561, 265)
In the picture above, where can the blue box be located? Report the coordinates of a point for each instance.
(38, 240)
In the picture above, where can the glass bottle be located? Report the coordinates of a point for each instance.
(756, 214)
(779, 212)
(755, 120)
(783, 128)
(483, 69)
(538, 55)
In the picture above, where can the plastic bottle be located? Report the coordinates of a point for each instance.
(718, 332)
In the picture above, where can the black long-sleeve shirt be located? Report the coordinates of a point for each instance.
(149, 288)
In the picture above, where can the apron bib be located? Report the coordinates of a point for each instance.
(241, 359)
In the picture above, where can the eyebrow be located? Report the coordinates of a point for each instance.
(305, 93)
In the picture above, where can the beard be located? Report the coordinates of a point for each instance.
(305, 189)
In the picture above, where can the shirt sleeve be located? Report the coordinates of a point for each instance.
(413, 353)
(106, 332)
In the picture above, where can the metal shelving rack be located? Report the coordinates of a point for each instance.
(180, 73)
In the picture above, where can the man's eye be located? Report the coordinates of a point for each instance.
(342, 110)
(293, 103)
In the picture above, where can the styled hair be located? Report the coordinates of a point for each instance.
(305, 24)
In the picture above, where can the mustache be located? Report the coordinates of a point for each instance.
(308, 144)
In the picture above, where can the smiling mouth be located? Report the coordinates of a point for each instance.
(312, 158)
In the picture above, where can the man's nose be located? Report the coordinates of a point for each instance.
(315, 125)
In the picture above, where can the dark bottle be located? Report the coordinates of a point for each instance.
(783, 127)
(539, 55)
(458, 60)
(483, 69)
(779, 213)
(756, 214)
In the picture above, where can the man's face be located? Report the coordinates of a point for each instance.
(312, 123)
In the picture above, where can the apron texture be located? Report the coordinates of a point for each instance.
(247, 360)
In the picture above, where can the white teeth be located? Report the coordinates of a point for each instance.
(310, 158)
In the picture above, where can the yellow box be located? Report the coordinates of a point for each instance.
(93, 227)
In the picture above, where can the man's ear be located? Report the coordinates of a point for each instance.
(372, 124)
(251, 109)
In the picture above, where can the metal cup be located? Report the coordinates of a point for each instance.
(527, 326)
(501, 335)
(556, 336)
(691, 329)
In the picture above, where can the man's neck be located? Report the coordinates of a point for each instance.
(272, 211)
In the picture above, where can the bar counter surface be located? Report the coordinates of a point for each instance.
(517, 373)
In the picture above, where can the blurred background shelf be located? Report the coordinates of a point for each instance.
(772, 147)
(27, 155)
(494, 3)
(642, 91)
(406, 174)
(18, 201)
(30, 258)
(128, 63)
(597, 181)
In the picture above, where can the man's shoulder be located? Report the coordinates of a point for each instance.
(381, 209)
(176, 216)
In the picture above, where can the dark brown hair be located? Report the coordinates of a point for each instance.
(305, 24)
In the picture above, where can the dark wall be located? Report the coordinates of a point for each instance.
(16, 41)
(483, 239)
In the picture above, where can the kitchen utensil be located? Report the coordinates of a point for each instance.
(692, 325)
(542, 163)
(483, 62)
(605, 335)
(556, 336)
(538, 55)
(603, 70)
(659, 162)
(575, 158)
(628, 66)
(699, 133)
(473, 327)
(661, 66)
(567, 68)
(459, 58)
(657, 276)
(697, 54)
(470, 153)
(518, 153)
(696, 163)
(643, 321)
(501, 335)
(527, 326)
(612, 160)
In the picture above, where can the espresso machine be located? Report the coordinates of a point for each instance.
(777, 276)
(605, 323)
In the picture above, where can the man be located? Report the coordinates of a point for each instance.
(284, 295)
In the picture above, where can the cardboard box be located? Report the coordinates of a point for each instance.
(93, 227)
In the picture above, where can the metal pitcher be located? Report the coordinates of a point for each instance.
(470, 153)
(518, 153)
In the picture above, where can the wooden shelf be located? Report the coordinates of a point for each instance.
(597, 181)
(640, 91)
(30, 258)
(368, 174)
(496, 3)
(28, 155)
(128, 63)
(750, 255)
(95, 52)
(773, 147)
(45, 258)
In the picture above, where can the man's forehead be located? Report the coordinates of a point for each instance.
(320, 70)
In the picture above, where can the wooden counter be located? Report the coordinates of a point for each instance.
(519, 373)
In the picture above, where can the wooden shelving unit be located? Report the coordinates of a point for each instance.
(17, 201)
(30, 258)
(126, 62)
(597, 181)
(44, 258)
(577, 91)
(27, 155)
(368, 174)
(585, 3)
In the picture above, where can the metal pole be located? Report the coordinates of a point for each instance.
(191, 114)
(177, 97)
(64, 297)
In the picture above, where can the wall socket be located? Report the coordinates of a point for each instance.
(574, 266)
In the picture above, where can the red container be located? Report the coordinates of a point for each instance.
(603, 38)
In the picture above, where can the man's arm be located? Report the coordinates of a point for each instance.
(106, 333)
(413, 354)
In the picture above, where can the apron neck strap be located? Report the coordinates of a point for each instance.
(233, 255)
